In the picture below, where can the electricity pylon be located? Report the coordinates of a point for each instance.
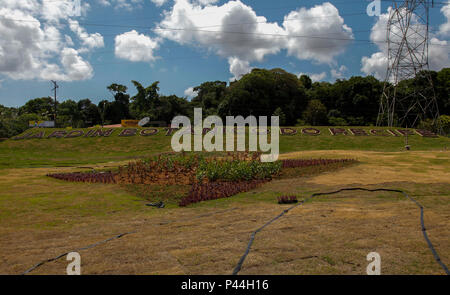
(405, 104)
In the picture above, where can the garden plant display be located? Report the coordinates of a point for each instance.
(217, 190)
(287, 199)
(298, 163)
(92, 177)
(211, 178)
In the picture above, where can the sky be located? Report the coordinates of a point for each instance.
(87, 45)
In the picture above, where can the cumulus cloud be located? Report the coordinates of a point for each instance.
(126, 4)
(75, 67)
(315, 77)
(89, 41)
(234, 31)
(439, 54)
(135, 47)
(377, 63)
(159, 2)
(339, 73)
(54, 11)
(330, 35)
(238, 67)
(444, 29)
(206, 2)
(34, 47)
(104, 2)
(190, 92)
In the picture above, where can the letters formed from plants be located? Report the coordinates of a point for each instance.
(284, 131)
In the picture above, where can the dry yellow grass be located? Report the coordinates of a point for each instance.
(330, 235)
(379, 167)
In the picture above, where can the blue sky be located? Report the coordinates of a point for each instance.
(88, 52)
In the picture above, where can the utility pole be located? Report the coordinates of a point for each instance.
(55, 86)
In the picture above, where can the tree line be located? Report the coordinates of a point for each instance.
(296, 100)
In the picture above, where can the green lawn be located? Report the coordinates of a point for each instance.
(77, 151)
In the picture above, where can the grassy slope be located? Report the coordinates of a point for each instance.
(73, 151)
(42, 217)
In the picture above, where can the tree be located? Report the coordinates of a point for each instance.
(261, 92)
(89, 113)
(306, 81)
(357, 99)
(69, 114)
(282, 117)
(119, 109)
(443, 90)
(315, 113)
(143, 101)
(43, 107)
(102, 107)
(209, 96)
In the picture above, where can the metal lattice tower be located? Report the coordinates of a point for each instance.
(404, 104)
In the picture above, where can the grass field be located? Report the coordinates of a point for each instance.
(41, 217)
(83, 150)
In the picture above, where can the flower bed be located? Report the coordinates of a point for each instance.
(295, 163)
(211, 178)
(92, 177)
(217, 190)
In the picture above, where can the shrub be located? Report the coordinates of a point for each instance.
(236, 170)
(287, 200)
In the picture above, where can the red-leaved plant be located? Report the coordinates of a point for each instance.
(287, 199)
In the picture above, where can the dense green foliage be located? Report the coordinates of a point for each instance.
(297, 101)
(236, 170)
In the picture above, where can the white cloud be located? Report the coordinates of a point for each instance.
(206, 2)
(376, 64)
(104, 2)
(135, 47)
(126, 4)
(339, 73)
(234, 31)
(318, 77)
(54, 11)
(89, 41)
(190, 92)
(238, 67)
(159, 2)
(315, 77)
(75, 67)
(331, 35)
(34, 48)
(438, 54)
(444, 29)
